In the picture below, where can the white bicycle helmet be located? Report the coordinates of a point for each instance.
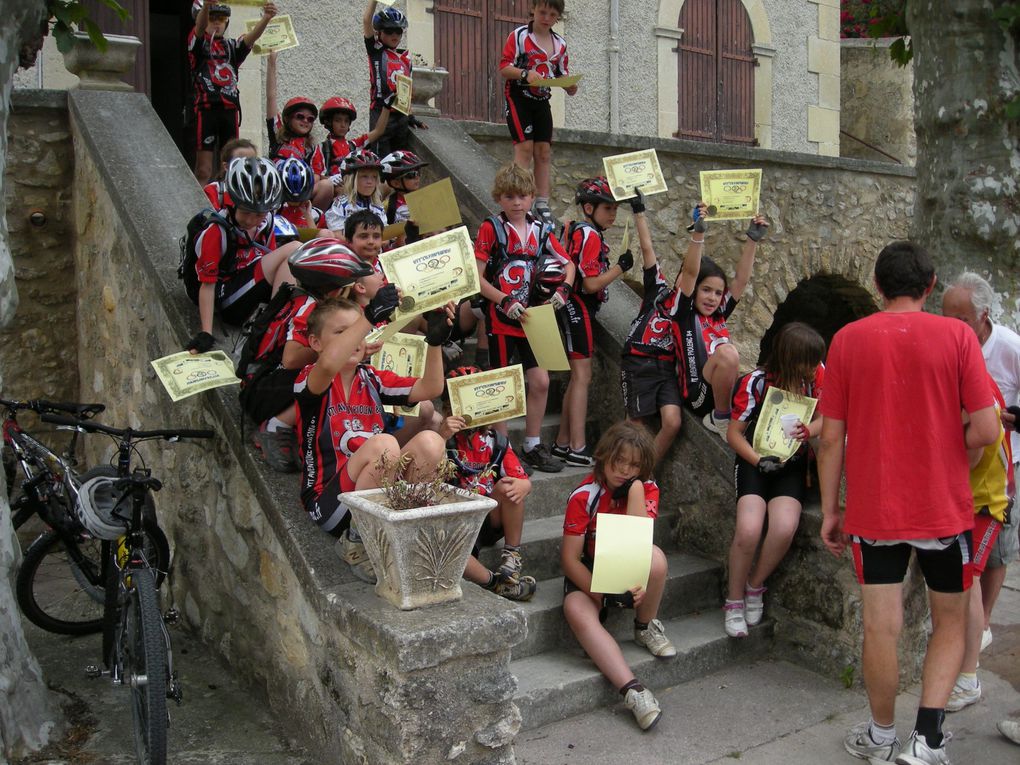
(96, 506)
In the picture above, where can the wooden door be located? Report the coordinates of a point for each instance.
(469, 38)
(716, 72)
(137, 24)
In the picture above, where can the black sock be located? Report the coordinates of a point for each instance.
(640, 626)
(929, 725)
(632, 685)
(491, 584)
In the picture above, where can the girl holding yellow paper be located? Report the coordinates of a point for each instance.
(765, 485)
(621, 483)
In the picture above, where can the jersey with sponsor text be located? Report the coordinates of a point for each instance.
(591, 498)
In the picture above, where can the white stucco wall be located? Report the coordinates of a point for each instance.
(793, 86)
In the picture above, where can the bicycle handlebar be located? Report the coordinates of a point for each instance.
(128, 433)
(42, 406)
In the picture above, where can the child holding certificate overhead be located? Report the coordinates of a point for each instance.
(766, 485)
(621, 483)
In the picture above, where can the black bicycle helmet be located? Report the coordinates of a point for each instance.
(593, 190)
(254, 184)
(396, 163)
(323, 265)
(360, 159)
(389, 18)
(297, 178)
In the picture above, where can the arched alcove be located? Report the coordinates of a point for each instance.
(824, 301)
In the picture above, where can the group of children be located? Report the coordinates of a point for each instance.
(319, 404)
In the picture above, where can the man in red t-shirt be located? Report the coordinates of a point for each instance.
(896, 384)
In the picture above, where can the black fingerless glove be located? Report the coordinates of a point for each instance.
(699, 225)
(626, 261)
(416, 123)
(202, 342)
(756, 231)
(1015, 411)
(637, 203)
(439, 328)
(621, 600)
(769, 465)
(381, 307)
(411, 232)
(621, 493)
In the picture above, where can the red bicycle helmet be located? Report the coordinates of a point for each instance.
(323, 265)
(462, 371)
(594, 190)
(334, 105)
(360, 159)
(298, 102)
(396, 163)
(546, 282)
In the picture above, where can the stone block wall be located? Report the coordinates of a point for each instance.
(352, 676)
(38, 180)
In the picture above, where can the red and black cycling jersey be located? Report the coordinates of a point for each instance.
(384, 64)
(281, 327)
(590, 499)
(749, 395)
(698, 336)
(333, 425)
(291, 148)
(296, 215)
(214, 62)
(218, 195)
(211, 244)
(523, 51)
(651, 332)
(478, 467)
(338, 149)
(516, 269)
(587, 247)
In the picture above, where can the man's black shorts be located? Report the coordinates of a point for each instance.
(648, 385)
(529, 119)
(945, 570)
(214, 127)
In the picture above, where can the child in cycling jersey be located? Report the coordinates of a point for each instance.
(290, 131)
(298, 183)
(216, 190)
(362, 190)
(337, 114)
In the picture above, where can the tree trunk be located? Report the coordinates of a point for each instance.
(27, 714)
(968, 155)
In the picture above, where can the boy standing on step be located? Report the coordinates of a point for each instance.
(513, 250)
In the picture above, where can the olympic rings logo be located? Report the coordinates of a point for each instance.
(733, 187)
(491, 390)
(635, 169)
(433, 264)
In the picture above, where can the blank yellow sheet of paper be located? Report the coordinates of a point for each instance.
(434, 207)
(561, 82)
(623, 553)
(544, 338)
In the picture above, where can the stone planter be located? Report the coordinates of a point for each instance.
(419, 555)
(102, 70)
(428, 82)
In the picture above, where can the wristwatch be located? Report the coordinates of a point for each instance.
(524, 76)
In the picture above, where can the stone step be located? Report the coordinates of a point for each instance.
(549, 491)
(558, 684)
(550, 428)
(540, 544)
(693, 584)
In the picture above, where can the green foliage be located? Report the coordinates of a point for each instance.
(847, 675)
(71, 15)
(406, 487)
(878, 19)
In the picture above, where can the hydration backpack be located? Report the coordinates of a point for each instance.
(186, 268)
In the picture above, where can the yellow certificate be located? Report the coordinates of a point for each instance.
(731, 194)
(279, 35)
(543, 333)
(402, 102)
(185, 374)
(625, 242)
(488, 397)
(623, 553)
(384, 333)
(403, 355)
(434, 207)
(432, 272)
(561, 82)
(769, 438)
(635, 169)
(393, 230)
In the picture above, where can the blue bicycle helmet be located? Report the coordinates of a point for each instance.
(298, 179)
(389, 18)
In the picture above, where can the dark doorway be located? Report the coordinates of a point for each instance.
(716, 72)
(170, 24)
(826, 302)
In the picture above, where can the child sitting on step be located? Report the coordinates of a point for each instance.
(621, 483)
(486, 464)
(765, 485)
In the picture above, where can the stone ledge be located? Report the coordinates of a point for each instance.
(23, 98)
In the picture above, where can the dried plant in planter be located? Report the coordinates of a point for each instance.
(405, 487)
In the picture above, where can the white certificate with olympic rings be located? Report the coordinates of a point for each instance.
(488, 397)
(432, 272)
(635, 169)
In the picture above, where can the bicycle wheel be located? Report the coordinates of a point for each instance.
(60, 583)
(144, 660)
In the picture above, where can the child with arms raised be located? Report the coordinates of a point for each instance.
(336, 115)
(622, 484)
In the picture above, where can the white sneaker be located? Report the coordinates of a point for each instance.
(986, 638)
(719, 427)
(734, 622)
(754, 604)
(858, 742)
(917, 752)
(962, 696)
(644, 706)
(655, 640)
(354, 555)
(1010, 729)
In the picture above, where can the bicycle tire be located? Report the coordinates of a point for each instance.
(55, 591)
(146, 670)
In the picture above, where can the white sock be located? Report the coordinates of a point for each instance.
(530, 442)
(967, 680)
(541, 201)
(882, 734)
(273, 424)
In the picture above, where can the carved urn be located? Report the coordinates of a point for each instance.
(102, 70)
(427, 84)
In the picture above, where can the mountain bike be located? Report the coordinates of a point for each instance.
(137, 650)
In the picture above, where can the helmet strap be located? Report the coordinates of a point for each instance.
(591, 217)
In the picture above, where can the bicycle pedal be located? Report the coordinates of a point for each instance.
(175, 692)
(171, 617)
(93, 671)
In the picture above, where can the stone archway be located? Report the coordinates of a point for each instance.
(824, 301)
(668, 35)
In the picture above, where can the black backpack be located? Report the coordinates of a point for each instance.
(249, 364)
(186, 270)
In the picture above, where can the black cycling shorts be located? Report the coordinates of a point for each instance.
(575, 325)
(214, 127)
(268, 395)
(503, 349)
(945, 570)
(529, 119)
(240, 294)
(790, 481)
(648, 385)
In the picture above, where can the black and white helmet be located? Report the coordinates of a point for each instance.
(254, 184)
(97, 507)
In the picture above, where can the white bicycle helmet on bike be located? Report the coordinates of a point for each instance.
(96, 508)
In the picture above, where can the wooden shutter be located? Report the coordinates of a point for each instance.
(736, 74)
(698, 78)
(137, 24)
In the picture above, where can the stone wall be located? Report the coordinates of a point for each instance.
(827, 215)
(349, 674)
(877, 103)
(38, 180)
